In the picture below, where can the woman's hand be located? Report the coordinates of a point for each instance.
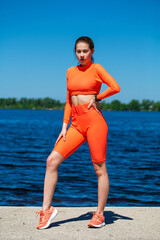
(94, 104)
(62, 133)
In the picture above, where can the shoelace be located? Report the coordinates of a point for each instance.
(40, 212)
(97, 216)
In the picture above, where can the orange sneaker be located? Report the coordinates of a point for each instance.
(97, 220)
(46, 217)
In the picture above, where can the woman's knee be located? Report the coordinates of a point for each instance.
(54, 160)
(100, 169)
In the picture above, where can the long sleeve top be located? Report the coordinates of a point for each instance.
(88, 79)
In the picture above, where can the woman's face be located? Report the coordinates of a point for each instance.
(84, 53)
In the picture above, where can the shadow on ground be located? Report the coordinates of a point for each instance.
(110, 217)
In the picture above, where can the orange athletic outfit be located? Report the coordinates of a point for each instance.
(87, 124)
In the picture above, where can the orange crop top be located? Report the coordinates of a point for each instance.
(88, 79)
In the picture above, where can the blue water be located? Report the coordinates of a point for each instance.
(133, 160)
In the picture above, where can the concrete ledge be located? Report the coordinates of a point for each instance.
(126, 223)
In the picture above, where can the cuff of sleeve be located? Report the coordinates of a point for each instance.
(65, 121)
(97, 98)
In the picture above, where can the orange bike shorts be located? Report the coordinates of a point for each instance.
(87, 125)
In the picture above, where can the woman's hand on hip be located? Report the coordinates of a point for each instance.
(94, 104)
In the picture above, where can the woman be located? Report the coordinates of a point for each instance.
(88, 124)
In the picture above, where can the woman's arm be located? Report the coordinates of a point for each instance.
(68, 106)
(109, 80)
(67, 109)
(66, 119)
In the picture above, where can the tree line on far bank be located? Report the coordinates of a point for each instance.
(49, 103)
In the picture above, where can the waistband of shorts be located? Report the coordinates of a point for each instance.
(80, 109)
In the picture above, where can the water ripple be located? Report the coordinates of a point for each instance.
(133, 160)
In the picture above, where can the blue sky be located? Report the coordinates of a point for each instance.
(37, 40)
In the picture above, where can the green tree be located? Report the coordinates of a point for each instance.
(2, 102)
(146, 104)
(124, 107)
(156, 106)
(115, 105)
(134, 105)
(104, 105)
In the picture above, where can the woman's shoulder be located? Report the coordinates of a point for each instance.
(99, 69)
(98, 66)
(71, 69)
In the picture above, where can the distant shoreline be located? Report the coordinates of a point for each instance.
(53, 109)
(52, 104)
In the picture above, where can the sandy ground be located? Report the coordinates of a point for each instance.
(71, 224)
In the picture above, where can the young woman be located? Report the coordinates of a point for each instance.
(88, 124)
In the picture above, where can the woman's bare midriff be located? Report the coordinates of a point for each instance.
(81, 99)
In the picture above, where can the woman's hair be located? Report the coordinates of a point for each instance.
(86, 40)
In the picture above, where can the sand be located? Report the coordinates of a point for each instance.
(71, 224)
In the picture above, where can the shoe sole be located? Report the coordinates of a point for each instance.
(54, 214)
(97, 226)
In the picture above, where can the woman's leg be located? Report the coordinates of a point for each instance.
(61, 151)
(97, 141)
(103, 185)
(51, 177)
